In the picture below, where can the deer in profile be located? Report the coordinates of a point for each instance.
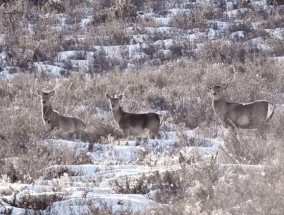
(134, 123)
(53, 119)
(251, 115)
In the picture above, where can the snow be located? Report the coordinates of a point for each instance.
(279, 59)
(86, 21)
(51, 69)
(237, 12)
(9, 72)
(74, 55)
(237, 36)
(276, 33)
(137, 203)
(258, 4)
(259, 42)
(65, 143)
(163, 21)
(87, 186)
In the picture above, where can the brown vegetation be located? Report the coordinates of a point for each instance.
(231, 182)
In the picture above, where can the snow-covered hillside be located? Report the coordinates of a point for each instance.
(80, 188)
(86, 49)
(183, 29)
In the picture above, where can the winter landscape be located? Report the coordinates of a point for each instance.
(163, 56)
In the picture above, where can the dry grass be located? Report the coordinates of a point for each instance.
(248, 187)
(179, 89)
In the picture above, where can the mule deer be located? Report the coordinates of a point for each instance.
(54, 119)
(238, 115)
(134, 123)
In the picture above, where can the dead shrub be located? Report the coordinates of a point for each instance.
(54, 6)
(191, 112)
(126, 186)
(188, 20)
(244, 26)
(124, 10)
(36, 202)
(246, 148)
(277, 46)
(112, 33)
(222, 52)
(274, 21)
(101, 130)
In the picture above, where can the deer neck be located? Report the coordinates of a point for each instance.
(47, 111)
(117, 114)
(219, 106)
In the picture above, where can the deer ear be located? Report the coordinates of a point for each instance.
(52, 93)
(39, 92)
(108, 96)
(120, 97)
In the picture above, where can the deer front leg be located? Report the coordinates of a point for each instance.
(126, 132)
(233, 125)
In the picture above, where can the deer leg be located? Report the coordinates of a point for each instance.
(50, 128)
(79, 134)
(151, 135)
(74, 135)
(154, 134)
(126, 132)
(261, 131)
(233, 125)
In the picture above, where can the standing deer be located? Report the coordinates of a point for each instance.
(134, 123)
(238, 115)
(54, 119)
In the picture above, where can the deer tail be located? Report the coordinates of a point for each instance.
(270, 110)
(161, 119)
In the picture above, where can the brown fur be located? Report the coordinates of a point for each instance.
(54, 119)
(237, 115)
(133, 123)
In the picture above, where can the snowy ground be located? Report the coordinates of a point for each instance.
(82, 187)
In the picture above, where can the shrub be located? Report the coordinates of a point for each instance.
(221, 51)
(277, 46)
(188, 20)
(125, 186)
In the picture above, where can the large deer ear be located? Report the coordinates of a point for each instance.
(39, 92)
(108, 96)
(120, 97)
(52, 93)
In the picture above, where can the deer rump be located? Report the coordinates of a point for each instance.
(250, 115)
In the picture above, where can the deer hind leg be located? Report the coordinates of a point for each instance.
(74, 135)
(154, 134)
(153, 128)
(151, 135)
